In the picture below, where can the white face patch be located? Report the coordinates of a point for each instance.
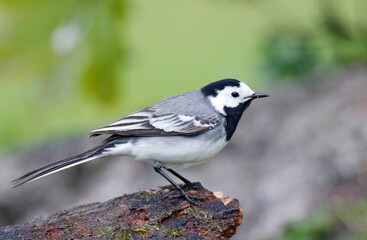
(224, 97)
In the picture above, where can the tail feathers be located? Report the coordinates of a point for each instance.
(89, 155)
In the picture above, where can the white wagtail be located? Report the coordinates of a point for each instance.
(177, 132)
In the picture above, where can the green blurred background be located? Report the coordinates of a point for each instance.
(70, 66)
(67, 67)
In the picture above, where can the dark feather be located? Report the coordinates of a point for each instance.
(212, 88)
(233, 117)
(109, 142)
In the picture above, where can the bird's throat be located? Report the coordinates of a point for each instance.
(233, 117)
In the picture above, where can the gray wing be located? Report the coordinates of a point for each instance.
(146, 122)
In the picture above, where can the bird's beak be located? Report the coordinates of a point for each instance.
(259, 95)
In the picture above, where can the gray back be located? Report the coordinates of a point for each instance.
(191, 103)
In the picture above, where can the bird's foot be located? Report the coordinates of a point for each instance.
(193, 185)
(191, 199)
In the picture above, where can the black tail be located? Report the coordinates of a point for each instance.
(89, 155)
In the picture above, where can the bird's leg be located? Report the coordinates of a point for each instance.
(185, 180)
(158, 168)
(188, 183)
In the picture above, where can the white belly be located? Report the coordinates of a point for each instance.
(178, 154)
(173, 152)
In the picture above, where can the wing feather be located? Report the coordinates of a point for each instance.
(147, 123)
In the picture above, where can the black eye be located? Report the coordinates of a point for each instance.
(235, 94)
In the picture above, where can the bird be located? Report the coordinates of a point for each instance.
(175, 133)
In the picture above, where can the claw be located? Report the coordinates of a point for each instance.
(191, 199)
(158, 168)
(193, 185)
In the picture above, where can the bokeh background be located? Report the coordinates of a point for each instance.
(297, 163)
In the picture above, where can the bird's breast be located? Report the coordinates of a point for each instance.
(178, 151)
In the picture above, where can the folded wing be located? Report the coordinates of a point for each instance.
(146, 122)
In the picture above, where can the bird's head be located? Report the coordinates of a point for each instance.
(230, 95)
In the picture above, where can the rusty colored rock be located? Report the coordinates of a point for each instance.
(141, 215)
